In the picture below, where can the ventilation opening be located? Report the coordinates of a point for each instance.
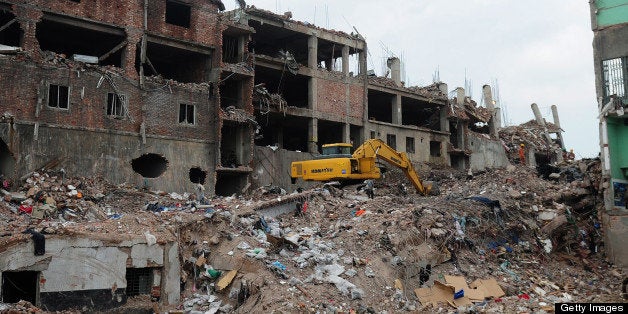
(95, 40)
(150, 165)
(11, 35)
(178, 14)
(138, 281)
(20, 285)
(228, 184)
(197, 175)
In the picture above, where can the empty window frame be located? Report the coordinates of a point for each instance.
(138, 281)
(615, 77)
(410, 145)
(186, 114)
(178, 13)
(58, 96)
(391, 140)
(372, 134)
(434, 148)
(115, 105)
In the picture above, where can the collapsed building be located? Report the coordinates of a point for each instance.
(180, 96)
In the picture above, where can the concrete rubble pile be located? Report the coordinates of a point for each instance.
(529, 134)
(505, 240)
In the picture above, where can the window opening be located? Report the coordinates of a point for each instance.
(178, 14)
(138, 281)
(58, 96)
(391, 140)
(186, 114)
(410, 145)
(115, 105)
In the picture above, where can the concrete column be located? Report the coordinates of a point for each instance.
(346, 133)
(345, 60)
(312, 52)
(362, 57)
(557, 123)
(444, 122)
(460, 96)
(490, 105)
(395, 69)
(396, 110)
(329, 64)
(540, 121)
(312, 136)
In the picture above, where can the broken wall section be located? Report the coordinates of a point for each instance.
(90, 273)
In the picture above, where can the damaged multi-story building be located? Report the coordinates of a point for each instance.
(609, 22)
(180, 96)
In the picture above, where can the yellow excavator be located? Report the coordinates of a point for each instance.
(337, 163)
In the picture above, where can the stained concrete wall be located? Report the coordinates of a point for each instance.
(421, 137)
(272, 167)
(109, 154)
(91, 273)
(615, 235)
(486, 153)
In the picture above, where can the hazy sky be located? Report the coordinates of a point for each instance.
(539, 51)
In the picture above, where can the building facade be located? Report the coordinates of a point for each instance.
(609, 22)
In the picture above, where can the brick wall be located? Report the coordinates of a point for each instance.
(205, 27)
(332, 97)
(23, 84)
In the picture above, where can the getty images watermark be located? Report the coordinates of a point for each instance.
(590, 308)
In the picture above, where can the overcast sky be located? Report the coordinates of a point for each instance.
(538, 51)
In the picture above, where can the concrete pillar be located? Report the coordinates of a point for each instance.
(444, 122)
(362, 57)
(396, 110)
(312, 136)
(395, 69)
(346, 133)
(540, 121)
(460, 96)
(490, 105)
(345, 60)
(312, 52)
(329, 64)
(557, 123)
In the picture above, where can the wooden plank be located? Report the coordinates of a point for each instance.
(8, 24)
(112, 51)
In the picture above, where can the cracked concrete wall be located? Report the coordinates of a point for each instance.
(486, 153)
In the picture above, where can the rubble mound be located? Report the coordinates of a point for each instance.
(511, 240)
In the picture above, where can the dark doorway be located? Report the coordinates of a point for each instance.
(20, 285)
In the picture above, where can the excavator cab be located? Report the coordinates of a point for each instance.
(336, 150)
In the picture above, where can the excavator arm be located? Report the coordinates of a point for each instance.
(377, 148)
